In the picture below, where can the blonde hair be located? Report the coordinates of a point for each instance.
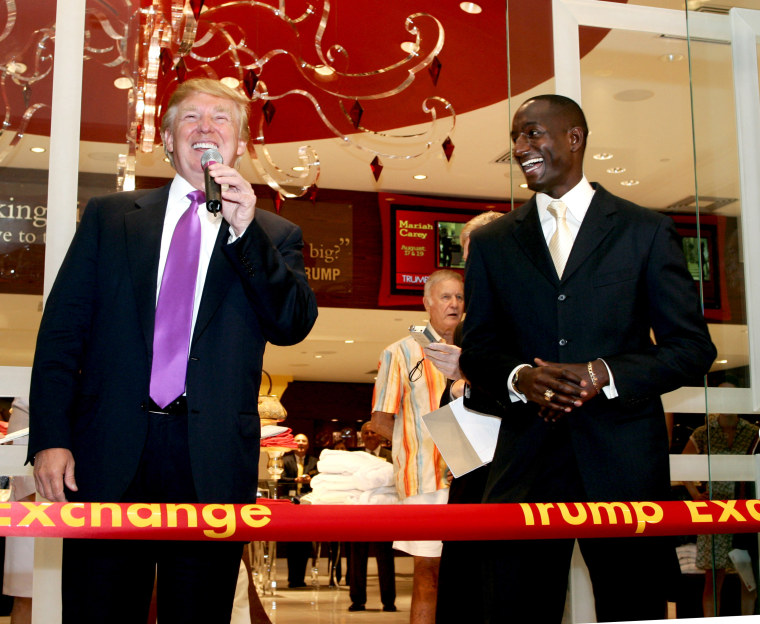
(476, 222)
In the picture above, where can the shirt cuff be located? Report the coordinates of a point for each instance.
(232, 237)
(515, 396)
(610, 391)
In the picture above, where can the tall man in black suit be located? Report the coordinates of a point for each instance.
(99, 432)
(298, 467)
(561, 349)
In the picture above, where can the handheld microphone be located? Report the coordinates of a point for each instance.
(213, 190)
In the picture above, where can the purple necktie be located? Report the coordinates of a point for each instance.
(174, 312)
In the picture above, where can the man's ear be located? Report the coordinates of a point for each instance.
(577, 138)
(168, 141)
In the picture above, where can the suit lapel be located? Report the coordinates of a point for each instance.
(596, 225)
(219, 277)
(530, 237)
(143, 232)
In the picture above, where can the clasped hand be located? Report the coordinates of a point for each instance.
(558, 388)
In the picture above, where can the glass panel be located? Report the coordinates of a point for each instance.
(723, 432)
(110, 37)
(637, 93)
(26, 46)
(636, 96)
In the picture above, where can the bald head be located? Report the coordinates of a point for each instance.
(549, 137)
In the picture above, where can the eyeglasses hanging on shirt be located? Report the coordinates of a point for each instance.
(416, 372)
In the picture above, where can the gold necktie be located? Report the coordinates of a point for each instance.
(562, 240)
(299, 468)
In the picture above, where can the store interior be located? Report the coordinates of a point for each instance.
(365, 108)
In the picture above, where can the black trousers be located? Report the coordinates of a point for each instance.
(459, 574)
(358, 554)
(112, 580)
(298, 555)
(527, 580)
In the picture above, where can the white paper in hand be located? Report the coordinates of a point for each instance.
(465, 438)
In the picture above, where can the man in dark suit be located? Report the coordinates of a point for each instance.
(358, 552)
(559, 346)
(103, 427)
(298, 467)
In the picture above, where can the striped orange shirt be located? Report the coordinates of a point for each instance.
(418, 465)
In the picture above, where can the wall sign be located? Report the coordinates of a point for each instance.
(421, 235)
(22, 246)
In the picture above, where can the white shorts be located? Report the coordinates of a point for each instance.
(424, 548)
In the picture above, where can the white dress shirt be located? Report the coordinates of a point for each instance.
(210, 223)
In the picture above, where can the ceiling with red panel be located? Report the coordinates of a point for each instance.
(473, 59)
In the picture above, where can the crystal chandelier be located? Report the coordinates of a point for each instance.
(273, 56)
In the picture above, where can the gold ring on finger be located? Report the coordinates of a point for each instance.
(548, 394)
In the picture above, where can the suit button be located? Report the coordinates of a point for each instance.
(562, 342)
(561, 297)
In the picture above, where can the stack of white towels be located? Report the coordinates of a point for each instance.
(352, 478)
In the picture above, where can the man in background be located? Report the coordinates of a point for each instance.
(358, 552)
(148, 365)
(298, 467)
(563, 295)
(408, 386)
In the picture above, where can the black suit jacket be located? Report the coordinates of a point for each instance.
(290, 469)
(91, 373)
(384, 453)
(625, 275)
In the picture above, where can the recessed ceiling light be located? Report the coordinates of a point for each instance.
(420, 176)
(524, 185)
(333, 420)
(230, 82)
(410, 47)
(602, 156)
(123, 82)
(324, 70)
(721, 361)
(318, 357)
(37, 150)
(470, 7)
(14, 67)
(672, 57)
(616, 170)
(349, 341)
(634, 95)
(629, 182)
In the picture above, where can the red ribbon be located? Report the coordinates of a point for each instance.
(270, 520)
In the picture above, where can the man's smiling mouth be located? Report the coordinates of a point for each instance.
(531, 165)
(204, 145)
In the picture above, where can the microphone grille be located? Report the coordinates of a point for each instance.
(209, 155)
